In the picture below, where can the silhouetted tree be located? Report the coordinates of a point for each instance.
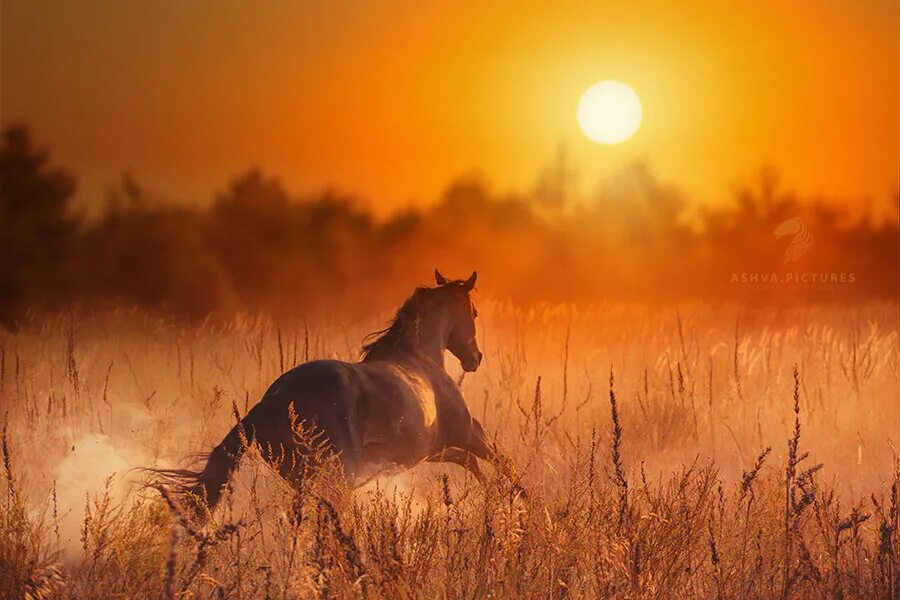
(36, 227)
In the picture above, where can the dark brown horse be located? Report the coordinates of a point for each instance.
(396, 406)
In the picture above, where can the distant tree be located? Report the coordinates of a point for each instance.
(37, 226)
(555, 184)
(285, 253)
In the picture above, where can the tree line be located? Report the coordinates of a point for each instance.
(257, 247)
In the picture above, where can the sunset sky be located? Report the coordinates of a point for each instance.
(392, 100)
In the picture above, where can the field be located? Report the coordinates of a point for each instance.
(698, 452)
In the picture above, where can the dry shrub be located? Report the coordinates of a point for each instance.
(655, 479)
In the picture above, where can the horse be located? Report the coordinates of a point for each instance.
(397, 405)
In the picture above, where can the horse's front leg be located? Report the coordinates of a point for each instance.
(461, 457)
(478, 446)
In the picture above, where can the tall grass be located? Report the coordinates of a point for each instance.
(711, 460)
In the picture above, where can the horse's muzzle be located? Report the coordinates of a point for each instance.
(473, 362)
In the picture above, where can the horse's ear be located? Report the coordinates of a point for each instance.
(440, 279)
(470, 282)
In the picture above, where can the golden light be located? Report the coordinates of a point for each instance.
(609, 112)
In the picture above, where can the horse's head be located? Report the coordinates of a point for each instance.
(461, 315)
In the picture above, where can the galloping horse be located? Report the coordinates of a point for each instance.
(397, 405)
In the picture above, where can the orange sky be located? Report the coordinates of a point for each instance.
(391, 100)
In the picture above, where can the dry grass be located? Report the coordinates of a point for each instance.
(710, 453)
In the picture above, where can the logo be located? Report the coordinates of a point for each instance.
(800, 243)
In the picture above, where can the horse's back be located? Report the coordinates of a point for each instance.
(318, 385)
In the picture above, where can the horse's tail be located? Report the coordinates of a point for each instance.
(202, 490)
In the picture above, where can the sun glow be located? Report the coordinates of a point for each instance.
(609, 112)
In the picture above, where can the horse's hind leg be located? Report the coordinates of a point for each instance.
(285, 460)
(297, 461)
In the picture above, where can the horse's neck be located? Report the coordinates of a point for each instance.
(423, 354)
(432, 339)
(428, 343)
(434, 351)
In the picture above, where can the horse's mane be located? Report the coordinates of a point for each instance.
(401, 330)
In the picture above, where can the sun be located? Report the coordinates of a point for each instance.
(609, 112)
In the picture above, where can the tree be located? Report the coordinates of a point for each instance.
(36, 225)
